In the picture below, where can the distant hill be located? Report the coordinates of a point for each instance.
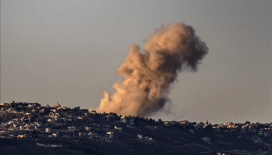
(29, 128)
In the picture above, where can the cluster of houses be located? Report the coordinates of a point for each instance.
(261, 128)
(20, 120)
(258, 130)
(24, 120)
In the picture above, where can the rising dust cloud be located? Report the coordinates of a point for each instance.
(148, 74)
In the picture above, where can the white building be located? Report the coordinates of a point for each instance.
(71, 128)
(55, 135)
(145, 139)
(47, 130)
(110, 135)
(123, 119)
(118, 128)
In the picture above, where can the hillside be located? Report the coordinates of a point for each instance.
(29, 128)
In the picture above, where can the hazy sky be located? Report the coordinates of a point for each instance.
(67, 51)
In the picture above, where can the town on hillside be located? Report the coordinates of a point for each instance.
(29, 128)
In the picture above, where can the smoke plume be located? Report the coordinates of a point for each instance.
(148, 74)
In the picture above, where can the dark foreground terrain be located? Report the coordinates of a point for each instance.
(29, 128)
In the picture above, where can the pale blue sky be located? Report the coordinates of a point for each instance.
(67, 51)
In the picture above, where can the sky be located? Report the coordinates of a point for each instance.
(67, 51)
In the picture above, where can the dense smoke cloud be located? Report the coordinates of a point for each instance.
(148, 75)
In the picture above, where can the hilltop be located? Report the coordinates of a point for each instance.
(29, 128)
